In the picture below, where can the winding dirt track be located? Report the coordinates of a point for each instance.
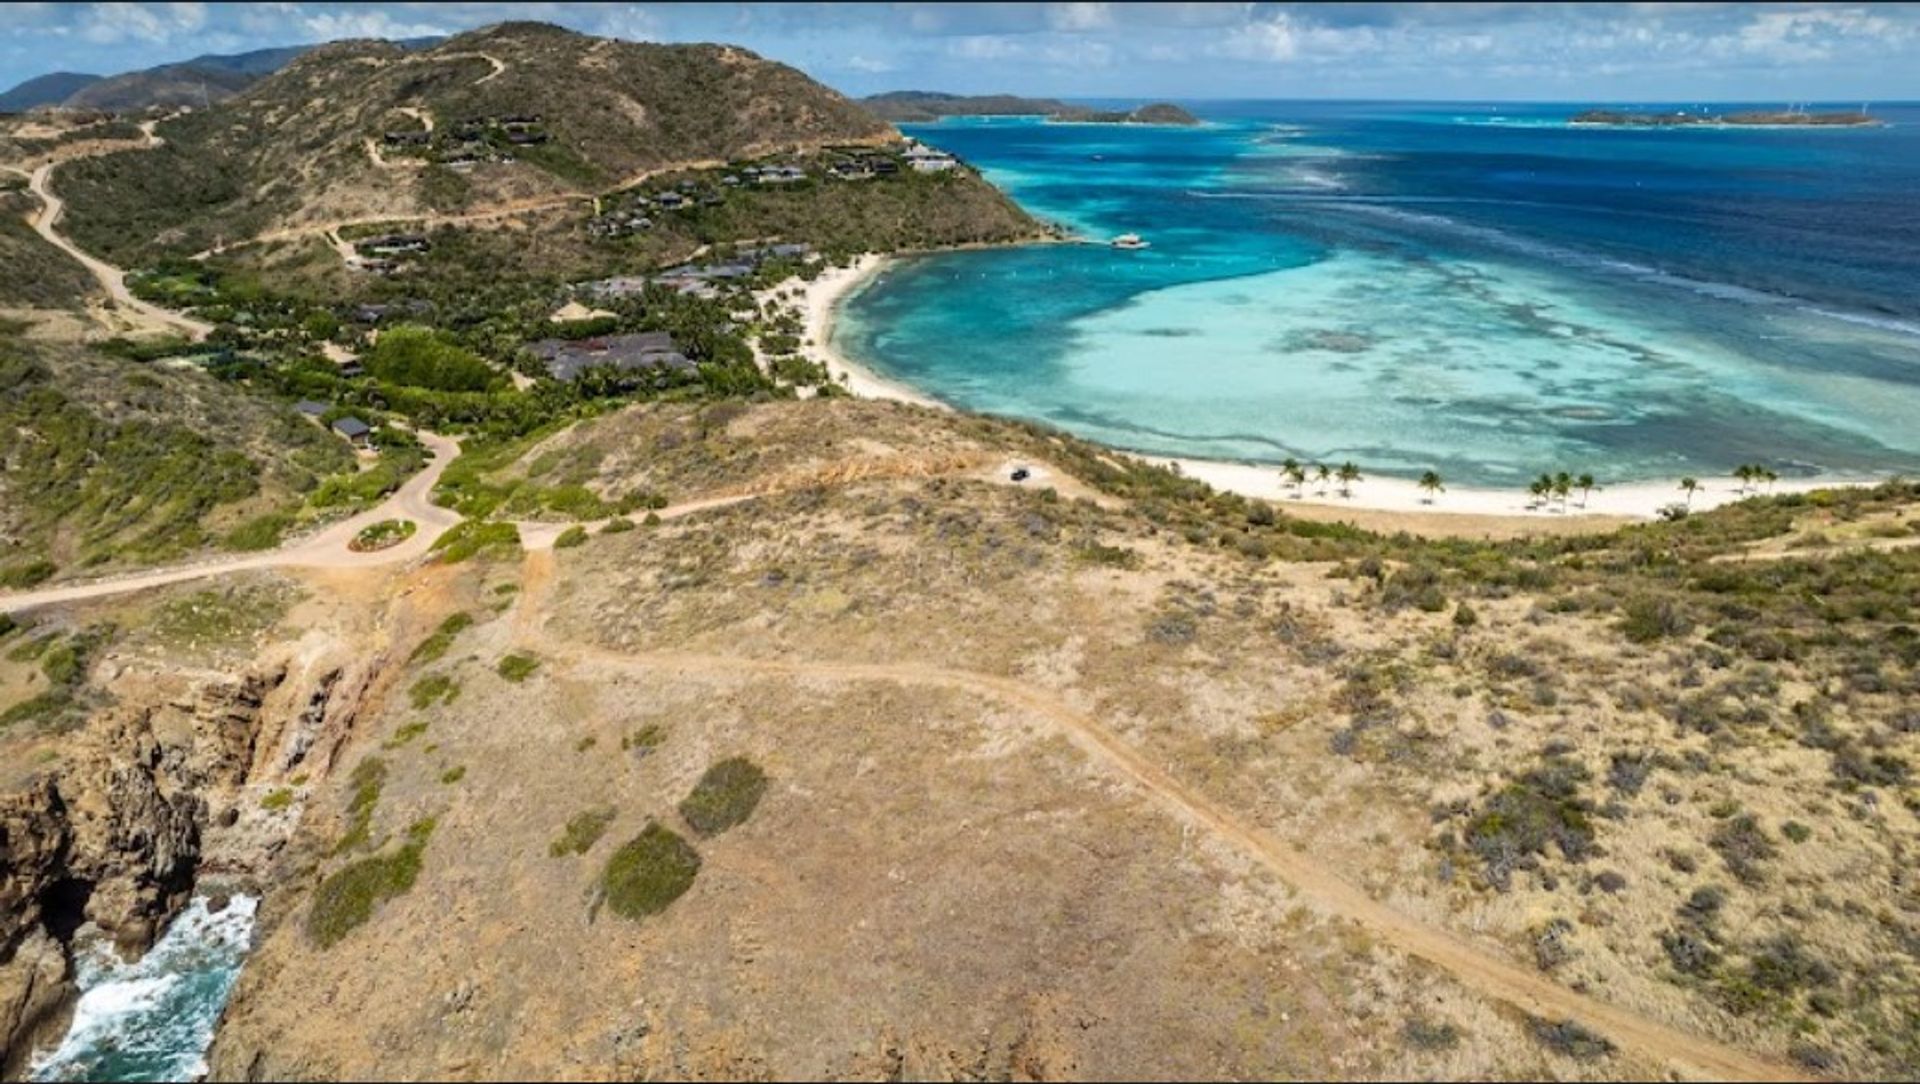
(325, 549)
(113, 279)
(1473, 967)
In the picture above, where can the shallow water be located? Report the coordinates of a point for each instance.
(1478, 290)
(154, 1019)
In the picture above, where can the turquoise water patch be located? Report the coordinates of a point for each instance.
(154, 1019)
(1395, 286)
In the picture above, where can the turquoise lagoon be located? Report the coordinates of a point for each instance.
(1480, 290)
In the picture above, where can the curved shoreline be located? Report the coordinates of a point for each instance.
(1642, 500)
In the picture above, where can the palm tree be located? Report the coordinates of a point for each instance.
(1769, 477)
(1290, 470)
(1562, 488)
(1431, 482)
(1585, 482)
(1349, 474)
(1689, 485)
(1745, 473)
(1543, 488)
(1320, 476)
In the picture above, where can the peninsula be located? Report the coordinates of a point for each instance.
(1784, 118)
(919, 106)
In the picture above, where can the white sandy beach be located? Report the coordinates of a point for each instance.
(822, 297)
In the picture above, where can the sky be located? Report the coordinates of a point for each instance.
(1473, 51)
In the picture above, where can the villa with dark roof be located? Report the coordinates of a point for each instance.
(566, 359)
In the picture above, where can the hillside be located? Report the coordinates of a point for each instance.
(54, 88)
(169, 86)
(861, 761)
(908, 106)
(111, 462)
(305, 145)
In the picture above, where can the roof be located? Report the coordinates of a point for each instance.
(567, 359)
(351, 427)
(308, 406)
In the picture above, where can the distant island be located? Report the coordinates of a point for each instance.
(910, 106)
(1757, 119)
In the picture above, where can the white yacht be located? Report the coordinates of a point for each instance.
(1129, 241)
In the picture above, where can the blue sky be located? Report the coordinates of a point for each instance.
(1605, 52)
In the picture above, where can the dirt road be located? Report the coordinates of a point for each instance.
(113, 279)
(325, 549)
(1325, 889)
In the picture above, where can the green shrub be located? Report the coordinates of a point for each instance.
(346, 900)
(1569, 1039)
(405, 735)
(423, 358)
(475, 538)
(725, 796)
(433, 689)
(259, 533)
(517, 667)
(368, 779)
(647, 874)
(1542, 808)
(27, 574)
(436, 645)
(617, 525)
(1646, 619)
(385, 534)
(454, 774)
(280, 798)
(582, 832)
(644, 740)
(571, 537)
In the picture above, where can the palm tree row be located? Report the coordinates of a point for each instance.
(1295, 474)
(1560, 486)
(1752, 474)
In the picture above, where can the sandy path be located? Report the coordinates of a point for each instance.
(324, 549)
(1327, 890)
(112, 278)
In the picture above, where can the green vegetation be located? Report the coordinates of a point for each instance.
(277, 799)
(385, 534)
(423, 358)
(368, 779)
(649, 872)
(405, 735)
(259, 533)
(433, 689)
(454, 774)
(517, 667)
(110, 462)
(219, 617)
(725, 796)
(33, 273)
(473, 538)
(1541, 808)
(64, 661)
(433, 647)
(583, 830)
(644, 740)
(575, 535)
(346, 900)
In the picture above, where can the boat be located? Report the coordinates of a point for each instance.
(1129, 241)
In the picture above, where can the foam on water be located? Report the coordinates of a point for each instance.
(153, 1019)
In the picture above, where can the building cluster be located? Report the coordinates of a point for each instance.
(469, 142)
(638, 351)
(388, 254)
(698, 280)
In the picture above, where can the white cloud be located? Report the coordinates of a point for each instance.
(1272, 39)
(632, 23)
(363, 23)
(1079, 16)
(1812, 34)
(157, 24)
(870, 65)
(984, 47)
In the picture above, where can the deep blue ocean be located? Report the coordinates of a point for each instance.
(1479, 289)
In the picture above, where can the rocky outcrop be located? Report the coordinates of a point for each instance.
(112, 837)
